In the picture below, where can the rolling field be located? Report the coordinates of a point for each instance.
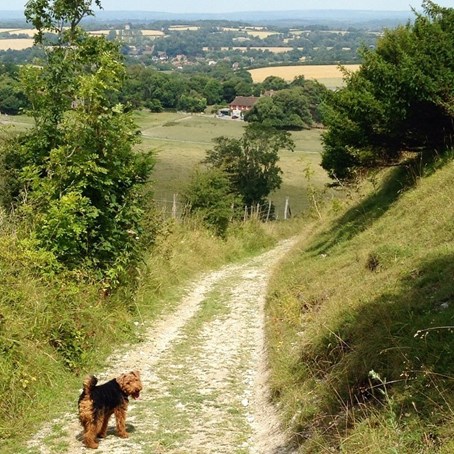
(330, 75)
(180, 142)
(15, 44)
(16, 31)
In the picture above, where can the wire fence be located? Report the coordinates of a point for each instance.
(173, 207)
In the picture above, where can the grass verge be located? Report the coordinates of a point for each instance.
(55, 328)
(360, 321)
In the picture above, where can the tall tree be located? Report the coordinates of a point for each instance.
(400, 99)
(251, 162)
(78, 176)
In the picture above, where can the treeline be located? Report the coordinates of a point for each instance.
(400, 100)
(294, 105)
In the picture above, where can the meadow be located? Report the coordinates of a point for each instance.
(180, 142)
(329, 75)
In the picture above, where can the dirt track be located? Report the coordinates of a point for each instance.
(204, 375)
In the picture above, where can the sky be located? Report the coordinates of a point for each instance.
(224, 6)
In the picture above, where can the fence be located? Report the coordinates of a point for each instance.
(172, 207)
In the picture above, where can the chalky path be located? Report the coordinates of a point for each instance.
(204, 375)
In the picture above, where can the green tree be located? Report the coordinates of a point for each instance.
(192, 103)
(286, 109)
(209, 195)
(213, 92)
(251, 161)
(12, 99)
(78, 177)
(399, 100)
(274, 83)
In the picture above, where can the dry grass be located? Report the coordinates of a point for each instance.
(152, 33)
(318, 72)
(183, 28)
(260, 33)
(22, 31)
(15, 44)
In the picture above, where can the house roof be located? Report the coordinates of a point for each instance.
(247, 101)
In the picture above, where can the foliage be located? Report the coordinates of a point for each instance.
(78, 178)
(251, 161)
(287, 109)
(359, 320)
(209, 196)
(194, 103)
(12, 99)
(400, 99)
(274, 83)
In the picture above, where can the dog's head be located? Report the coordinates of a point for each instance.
(130, 384)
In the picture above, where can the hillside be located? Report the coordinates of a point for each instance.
(360, 320)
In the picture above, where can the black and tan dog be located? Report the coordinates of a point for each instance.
(98, 403)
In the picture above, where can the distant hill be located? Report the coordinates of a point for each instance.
(342, 18)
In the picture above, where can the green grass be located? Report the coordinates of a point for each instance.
(352, 301)
(181, 141)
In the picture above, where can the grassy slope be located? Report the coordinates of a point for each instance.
(352, 300)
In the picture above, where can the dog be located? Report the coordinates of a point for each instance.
(98, 403)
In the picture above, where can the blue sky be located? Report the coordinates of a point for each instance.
(222, 6)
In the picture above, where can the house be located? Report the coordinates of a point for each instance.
(242, 104)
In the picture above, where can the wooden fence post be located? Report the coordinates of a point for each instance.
(174, 206)
(269, 211)
(286, 208)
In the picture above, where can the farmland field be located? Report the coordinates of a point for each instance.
(15, 44)
(330, 75)
(16, 31)
(260, 33)
(180, 142)
(184, 28)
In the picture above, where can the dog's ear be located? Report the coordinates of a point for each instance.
(136, 373)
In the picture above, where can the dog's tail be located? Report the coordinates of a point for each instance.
(89, 384)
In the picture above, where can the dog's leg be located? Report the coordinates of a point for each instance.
(120, 418)
(90, 436)
(105, 421)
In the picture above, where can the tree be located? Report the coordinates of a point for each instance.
(251, 161)
(78, 178)
(399, 100)
(274, 83)
(192, 103)
(209, 195)
(12, 99)
(286, 109)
